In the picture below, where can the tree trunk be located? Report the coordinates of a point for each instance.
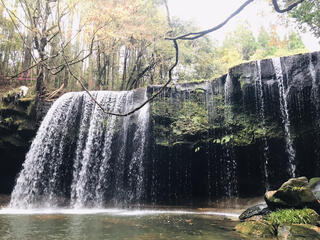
(124, 73)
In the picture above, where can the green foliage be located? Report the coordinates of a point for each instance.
(308, 13)
(293, 216)
(243, 40)
(131, 41)
(233, 126)
(196, 58)
(241, 45)
(191, 119)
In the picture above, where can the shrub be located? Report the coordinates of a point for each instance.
(293, 216)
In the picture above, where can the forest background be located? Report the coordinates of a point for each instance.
(121, 45)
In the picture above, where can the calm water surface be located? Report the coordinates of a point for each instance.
(114, 225)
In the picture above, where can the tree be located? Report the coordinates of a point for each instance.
(243, 40)
(126, 37)
(308, 14)
(11, 45)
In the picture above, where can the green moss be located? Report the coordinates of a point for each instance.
(192, 119)
(293, 216)
(256, 228)
(242, 82)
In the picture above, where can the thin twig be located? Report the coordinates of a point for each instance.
(12, 13)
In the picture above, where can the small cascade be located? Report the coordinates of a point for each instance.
(261, 110)
(315, 99)
(285, 115)
(229, 165)
(228, 89)
(210, 108)
(86, 156)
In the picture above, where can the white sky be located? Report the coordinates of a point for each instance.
(208, 13)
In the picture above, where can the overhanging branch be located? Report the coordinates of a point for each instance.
(289, 8)
(195, 35)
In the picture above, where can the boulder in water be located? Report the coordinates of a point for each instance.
(295, 193)
(256, 228)
(259, 209)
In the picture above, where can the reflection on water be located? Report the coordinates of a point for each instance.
(115, 226)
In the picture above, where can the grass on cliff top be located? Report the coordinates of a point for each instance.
(293, 216)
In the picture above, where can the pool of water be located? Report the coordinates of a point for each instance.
(116, 224)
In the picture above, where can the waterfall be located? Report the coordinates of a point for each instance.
(261, 111)
(83, 157)
(315, 88)
(228, 90)
(283, 94)
(227, 159)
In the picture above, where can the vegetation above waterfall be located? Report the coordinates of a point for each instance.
(118, 46)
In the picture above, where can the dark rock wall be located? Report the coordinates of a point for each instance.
(223, 138)
(17, 129)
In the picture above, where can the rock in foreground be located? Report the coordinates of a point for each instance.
(295, 193)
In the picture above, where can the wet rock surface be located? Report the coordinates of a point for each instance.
(17, 129)
(260, 209)
(285, 215)
(295, 193)
(256, 229)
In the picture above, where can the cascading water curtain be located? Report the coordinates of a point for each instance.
(82, 157)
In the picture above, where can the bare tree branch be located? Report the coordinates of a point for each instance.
(189, 36)
(277, 8)
(12, 13)
(195, 35)
(78, 79)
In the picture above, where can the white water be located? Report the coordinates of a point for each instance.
(111, 211)
(261, 109)
(283, 93)
(81, 152)
(228, 88)
(315, 88)
(227, 160)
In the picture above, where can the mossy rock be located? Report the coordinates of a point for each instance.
(298, 232)
(294, 193)
(256, 228)
(295, 182)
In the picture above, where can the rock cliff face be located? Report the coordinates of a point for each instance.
(240, 134)
(17, 128)
(237, 135)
